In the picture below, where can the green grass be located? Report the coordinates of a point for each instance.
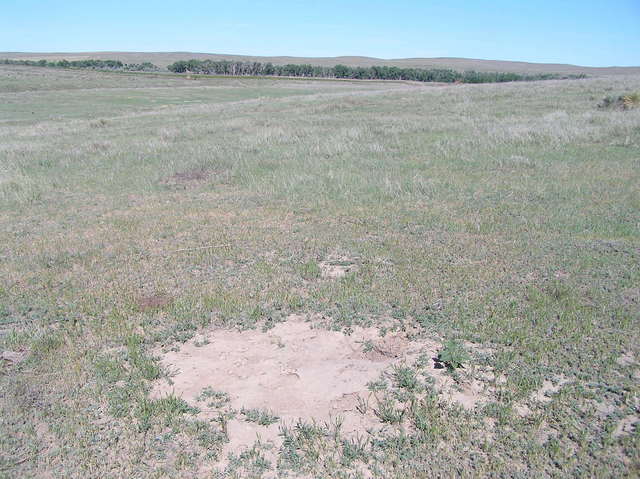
(501, 215)
(259, 416)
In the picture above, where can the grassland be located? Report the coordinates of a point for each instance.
(139, 211)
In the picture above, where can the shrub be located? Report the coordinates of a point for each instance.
(631, 100)
(622, 102)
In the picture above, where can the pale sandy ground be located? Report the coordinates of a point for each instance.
(297, 372)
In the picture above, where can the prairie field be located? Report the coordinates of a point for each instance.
(239, 277)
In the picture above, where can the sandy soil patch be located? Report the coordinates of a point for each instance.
(626, 426)
(337, 267)
(153, 301)
(626, 359)
(13, 357)
(543, 395)
(295, 372)
(187, 179)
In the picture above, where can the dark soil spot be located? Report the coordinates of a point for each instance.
(155, 301)
(185, 179)
(192, 175)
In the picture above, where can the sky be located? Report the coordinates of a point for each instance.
(586, 32)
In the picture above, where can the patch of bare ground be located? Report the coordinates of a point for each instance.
(297, 372)
(626, 426)
(543, 433)
(337, 266)
(186, 179)
(626, 359)
(13, 357)
(154, 301)
(543, 395)
(631, 296)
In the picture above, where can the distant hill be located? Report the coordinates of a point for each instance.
(162, 59)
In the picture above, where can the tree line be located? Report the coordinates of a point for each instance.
(239, 68)
(87, 64)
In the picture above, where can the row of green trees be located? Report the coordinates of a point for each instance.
(238, 68)
(89, 64)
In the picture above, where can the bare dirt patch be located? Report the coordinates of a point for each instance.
(542, 395)
(548, 389)
(187, 179)
(337, 267)
(626, 359)
(295, 372)
(626, 426)
(13, 357)
(154, 301)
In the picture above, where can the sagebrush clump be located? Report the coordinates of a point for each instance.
(622, 102)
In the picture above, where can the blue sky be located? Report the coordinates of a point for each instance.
(587, 32)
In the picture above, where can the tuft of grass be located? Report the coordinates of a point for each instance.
(213, 399)
(310, 270)
(406, 377)
(146, 366)
(167, 410)
(388, 412)
(378, 385)
(262, 417)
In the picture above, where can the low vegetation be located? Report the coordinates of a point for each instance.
(261, 417)
(621, 102)
(138, 213)
(453, 355)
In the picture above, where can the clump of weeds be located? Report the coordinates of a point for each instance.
(453, 355)
(262, 417)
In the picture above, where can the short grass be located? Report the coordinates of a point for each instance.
(136, 211)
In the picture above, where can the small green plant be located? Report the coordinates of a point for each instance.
(215, 399)
(143, 364)
(310, 270)
(368, 346)
(387, 411)
(259, 416)
(363, 405)
(353, 449)
(375, 386)
(207, 435)
(308, 431)
(423, 361)
(453, 355)
(406, 378)
(165, 410)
